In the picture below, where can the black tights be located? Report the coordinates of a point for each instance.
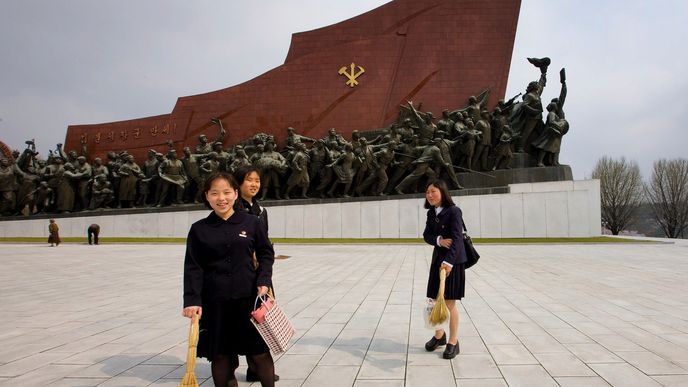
(223, 367)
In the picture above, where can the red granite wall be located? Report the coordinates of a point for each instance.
(435, 52)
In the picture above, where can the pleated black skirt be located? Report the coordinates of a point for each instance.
(454, 285)
(226, 329)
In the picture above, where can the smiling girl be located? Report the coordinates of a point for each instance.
(248, 178)
(220, 282)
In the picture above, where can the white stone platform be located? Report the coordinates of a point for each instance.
(534, 315)
(553, 209)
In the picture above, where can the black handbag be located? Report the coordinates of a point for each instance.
(471, 252)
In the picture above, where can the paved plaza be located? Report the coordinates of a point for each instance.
(534, 315)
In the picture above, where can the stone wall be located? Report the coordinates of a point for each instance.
(551, 209)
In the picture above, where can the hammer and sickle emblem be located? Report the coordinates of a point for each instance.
(352, 74)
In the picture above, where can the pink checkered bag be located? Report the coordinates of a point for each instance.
(275, 328)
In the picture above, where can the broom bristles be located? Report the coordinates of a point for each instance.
(189, 380)
(440, 312)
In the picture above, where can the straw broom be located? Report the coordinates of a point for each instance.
(189, 379)
(440, 312)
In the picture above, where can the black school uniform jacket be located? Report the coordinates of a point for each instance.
(253, 208)
(447, 224)
(217, 265)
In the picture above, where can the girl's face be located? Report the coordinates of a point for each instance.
(251, 185)
(434, 196)
(221, 197)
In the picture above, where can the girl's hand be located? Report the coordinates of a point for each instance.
(446, 243)
(190, 311)
(447, 269)
(262, 290)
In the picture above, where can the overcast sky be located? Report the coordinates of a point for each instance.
(77, 62)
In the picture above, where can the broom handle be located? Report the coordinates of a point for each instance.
(443, 276)
(193, 341)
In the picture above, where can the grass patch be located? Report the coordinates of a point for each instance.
(348, 240)
(100, 240)
(600, 239)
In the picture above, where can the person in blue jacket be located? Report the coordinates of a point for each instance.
(221, 283)
(443, 229)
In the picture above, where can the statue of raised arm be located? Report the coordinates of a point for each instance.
(84, 148)
(61, 152)
(527, 114)
(475, 105)
(562, 94)
(223, 132)
(426, 128)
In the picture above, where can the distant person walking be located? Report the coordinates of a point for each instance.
(54, 233)
(93, 231)
(443, 230)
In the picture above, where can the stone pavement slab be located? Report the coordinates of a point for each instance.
(566, 315)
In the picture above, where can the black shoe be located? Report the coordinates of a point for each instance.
(253, 377)
(451, 351)
(435, 342)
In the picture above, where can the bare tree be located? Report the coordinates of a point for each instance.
(667, 191)
(621, 188)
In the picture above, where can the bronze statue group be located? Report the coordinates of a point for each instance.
(399, 159)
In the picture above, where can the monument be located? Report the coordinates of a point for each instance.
(352, 75)
(327, 130)
(372, 107)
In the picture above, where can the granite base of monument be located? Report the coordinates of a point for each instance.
(504, 177)
(546, 209)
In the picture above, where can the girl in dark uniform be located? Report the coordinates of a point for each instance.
(220, 283)
(443, 229)
(248, 179)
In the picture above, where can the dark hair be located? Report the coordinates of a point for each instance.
(215, 176)
(444, 191)
(241, 173)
